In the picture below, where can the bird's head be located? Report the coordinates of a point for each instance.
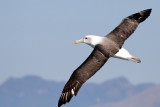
(91, 40)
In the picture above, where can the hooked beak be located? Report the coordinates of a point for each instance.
(79, 41)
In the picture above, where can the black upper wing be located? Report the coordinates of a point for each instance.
(127, 27)
(87, 69)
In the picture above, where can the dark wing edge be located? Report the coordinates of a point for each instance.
(87, 69)
(128, 26)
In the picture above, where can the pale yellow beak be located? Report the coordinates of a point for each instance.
(79, 41)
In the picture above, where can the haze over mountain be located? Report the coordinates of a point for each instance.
(32, 91)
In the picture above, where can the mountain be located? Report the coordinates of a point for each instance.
(147, 98)
(32, 91)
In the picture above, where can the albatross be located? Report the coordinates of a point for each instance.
(104, 48)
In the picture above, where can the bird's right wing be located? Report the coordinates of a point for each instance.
(87, 69)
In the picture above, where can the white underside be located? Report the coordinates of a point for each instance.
(123, 54)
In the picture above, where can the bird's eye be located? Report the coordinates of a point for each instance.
(85, 38)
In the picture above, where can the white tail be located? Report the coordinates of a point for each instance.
(124, 54)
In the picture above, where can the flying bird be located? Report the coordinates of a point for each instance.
(104, 48)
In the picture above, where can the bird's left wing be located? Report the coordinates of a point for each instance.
(127, 27)
(87, 69)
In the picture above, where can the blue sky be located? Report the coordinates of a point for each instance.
(37, 38)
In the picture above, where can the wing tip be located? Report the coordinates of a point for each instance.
(144, 14)
(141, 16)
(70, 89)
(65, 97)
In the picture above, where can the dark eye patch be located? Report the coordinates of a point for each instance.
(85, 38)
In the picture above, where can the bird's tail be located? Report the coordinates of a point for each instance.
(141, 16)
(134, 59)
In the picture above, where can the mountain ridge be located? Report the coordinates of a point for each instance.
(33, 91)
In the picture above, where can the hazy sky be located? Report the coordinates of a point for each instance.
(37, 38)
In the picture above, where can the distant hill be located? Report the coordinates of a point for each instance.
(32, 91)
(147, 98)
